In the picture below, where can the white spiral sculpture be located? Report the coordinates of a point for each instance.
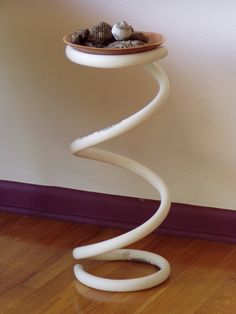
(111, 250)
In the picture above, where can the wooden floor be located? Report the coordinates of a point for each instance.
(36, 272)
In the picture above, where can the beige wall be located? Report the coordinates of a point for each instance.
(46, 101)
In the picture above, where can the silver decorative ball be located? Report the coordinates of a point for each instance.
(122, 30)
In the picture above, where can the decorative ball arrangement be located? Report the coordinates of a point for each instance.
(100, 35)
(104, 35)
(122, 30)
(80, 36)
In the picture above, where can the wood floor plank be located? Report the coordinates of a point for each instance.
(223, 300)
(36, 272)
(40, 300)
(196, 283)
(12, 297)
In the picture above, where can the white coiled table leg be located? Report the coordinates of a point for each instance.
(111, 250)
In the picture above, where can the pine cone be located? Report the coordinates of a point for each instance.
(101, 34)
(80, 36)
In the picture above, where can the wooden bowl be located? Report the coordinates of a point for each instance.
(154, 40)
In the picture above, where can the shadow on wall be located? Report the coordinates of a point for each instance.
(36, 79)
(50, 101)
(46, 101)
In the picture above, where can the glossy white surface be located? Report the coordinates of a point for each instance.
(83, 147)
(114, 61)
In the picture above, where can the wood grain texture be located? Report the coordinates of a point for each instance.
(36, 272)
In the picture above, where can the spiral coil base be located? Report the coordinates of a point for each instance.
(111, 250)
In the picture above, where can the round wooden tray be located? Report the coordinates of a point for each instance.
(154, 41)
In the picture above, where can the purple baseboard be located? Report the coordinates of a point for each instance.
(116, 211)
